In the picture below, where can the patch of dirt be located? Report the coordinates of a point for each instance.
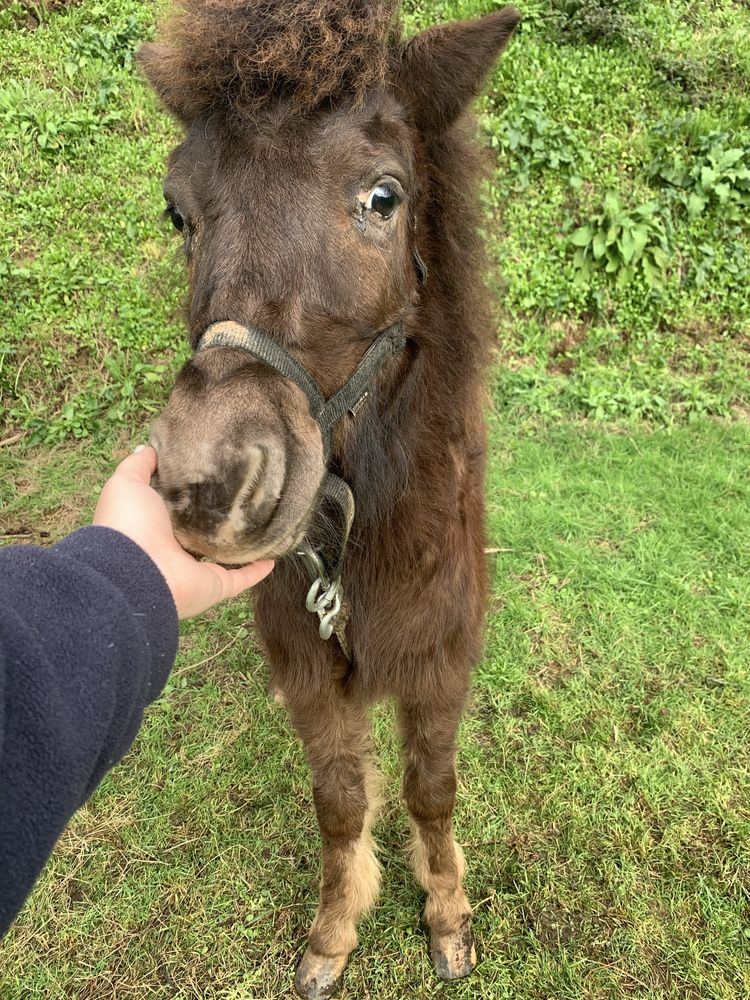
(60, 6)
(607, 543)
(564, 367)
(46, 504)
(21, 534)
(554, 674)
(552, 925)
(53, 525)
(573, 336)
(519, 842)
(77, 891)
(82, 359)
(699, 331)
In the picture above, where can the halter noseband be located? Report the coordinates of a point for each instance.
(323, 560)
(388, 344)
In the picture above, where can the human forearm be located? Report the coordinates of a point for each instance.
(88, 634)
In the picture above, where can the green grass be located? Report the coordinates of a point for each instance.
(604, 770)
(605, 775)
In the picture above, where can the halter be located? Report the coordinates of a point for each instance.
(324, 559)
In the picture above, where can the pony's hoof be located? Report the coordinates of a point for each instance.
(454, 955)
(319, 976)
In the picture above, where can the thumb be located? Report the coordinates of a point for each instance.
(231, 582)
(140, 466)
(247, 576)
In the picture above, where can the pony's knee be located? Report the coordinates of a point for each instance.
(341, 807)
(429, 796)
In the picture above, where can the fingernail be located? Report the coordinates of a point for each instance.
(139, 447)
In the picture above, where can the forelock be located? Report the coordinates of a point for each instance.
(239, 54)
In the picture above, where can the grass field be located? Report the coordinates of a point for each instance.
(605, 771)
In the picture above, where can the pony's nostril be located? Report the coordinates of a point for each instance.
(200, 507)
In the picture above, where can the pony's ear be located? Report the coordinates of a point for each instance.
(438, 72)
(164, 68)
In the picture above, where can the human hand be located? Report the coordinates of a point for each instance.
(129, 505)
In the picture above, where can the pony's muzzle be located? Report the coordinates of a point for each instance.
(240, 458)
(221, 508)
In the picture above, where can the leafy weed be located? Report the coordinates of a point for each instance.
(710, 171)
(534, 142)
(623, 243)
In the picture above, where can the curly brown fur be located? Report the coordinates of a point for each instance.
(241, 52)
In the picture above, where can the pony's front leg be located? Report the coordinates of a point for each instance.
(429, 731)
(335, 732)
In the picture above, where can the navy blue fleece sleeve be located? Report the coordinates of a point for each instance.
(88, 635)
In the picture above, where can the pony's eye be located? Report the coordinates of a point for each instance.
(383, 200)
(171, 213)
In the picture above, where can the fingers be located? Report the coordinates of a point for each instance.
(207, 584)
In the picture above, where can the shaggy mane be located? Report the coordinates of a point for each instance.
(240, 53)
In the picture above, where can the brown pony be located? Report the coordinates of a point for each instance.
(326, 191)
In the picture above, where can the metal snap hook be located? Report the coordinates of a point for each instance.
(325, 604)
(327, 621)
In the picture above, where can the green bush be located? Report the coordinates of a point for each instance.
(595, 21)
(115, 46)
(38, 121)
